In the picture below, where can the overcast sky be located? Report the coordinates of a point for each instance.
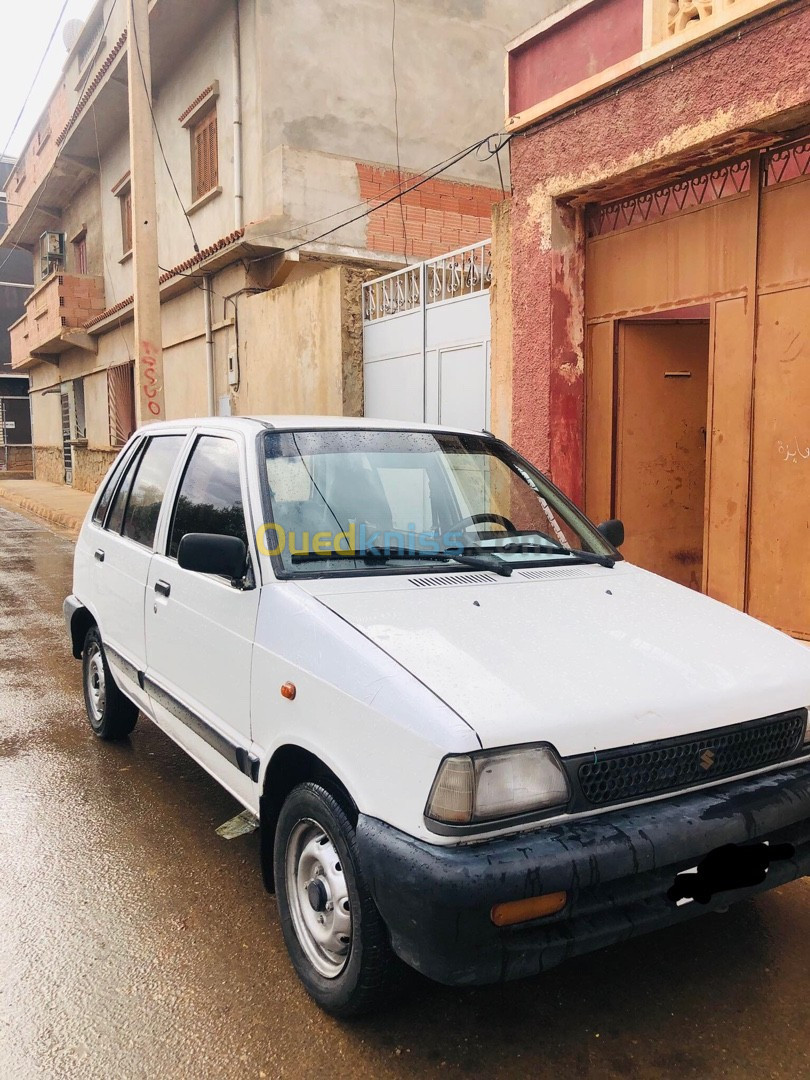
(27, 27)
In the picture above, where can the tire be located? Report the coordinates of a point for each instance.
(111, 714)
(342, 955)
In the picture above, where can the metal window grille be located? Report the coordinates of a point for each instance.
(204, 155)
(121, 402)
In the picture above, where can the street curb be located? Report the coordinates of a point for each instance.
(45, 513)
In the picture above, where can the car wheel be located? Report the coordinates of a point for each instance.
(111, 714)
(335, 936)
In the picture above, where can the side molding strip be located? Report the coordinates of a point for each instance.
(245, 761)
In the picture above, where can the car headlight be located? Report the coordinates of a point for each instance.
(486, 786)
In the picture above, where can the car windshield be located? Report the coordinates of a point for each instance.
(357, 501)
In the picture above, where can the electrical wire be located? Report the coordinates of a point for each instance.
(103, 246)
(425, 177)
(157, 135)
(36, 75)
(35, 207)
(396, 123)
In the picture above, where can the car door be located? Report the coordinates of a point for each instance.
(123, 541)
(200, 627)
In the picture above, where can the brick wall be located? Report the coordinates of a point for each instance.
(440, 215)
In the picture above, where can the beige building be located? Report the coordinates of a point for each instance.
(277, 122)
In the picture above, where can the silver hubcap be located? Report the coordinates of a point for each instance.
(96, 688)
(319, 898)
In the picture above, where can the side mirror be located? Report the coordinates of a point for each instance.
(209, 553)
(613, 531)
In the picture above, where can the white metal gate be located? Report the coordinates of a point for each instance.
(426, 341)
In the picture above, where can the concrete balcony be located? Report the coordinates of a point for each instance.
(591, 45)
(55, 313)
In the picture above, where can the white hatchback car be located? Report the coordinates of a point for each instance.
(475, 738)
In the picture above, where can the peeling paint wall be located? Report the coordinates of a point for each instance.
(698, 108)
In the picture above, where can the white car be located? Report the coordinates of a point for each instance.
(474, 737)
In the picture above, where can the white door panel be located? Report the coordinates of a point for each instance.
(463, 386)
(200, 627)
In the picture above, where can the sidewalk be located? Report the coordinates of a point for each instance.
(54, 503)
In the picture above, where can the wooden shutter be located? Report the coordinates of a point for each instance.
(204, 155)
(126, 219)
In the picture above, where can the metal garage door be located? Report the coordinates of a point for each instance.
(426, 341)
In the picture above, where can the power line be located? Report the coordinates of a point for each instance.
(36, 76)
(103, 245)
(430, 174)
(30, 217)
(159, 140)
(396, 122)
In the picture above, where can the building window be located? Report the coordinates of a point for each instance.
(80, 253)
(125, 200)
(204, 155)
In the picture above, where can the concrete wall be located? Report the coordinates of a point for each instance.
(298, 347)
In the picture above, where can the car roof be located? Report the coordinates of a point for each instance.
(301, 423)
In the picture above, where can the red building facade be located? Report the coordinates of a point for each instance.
(660, 276)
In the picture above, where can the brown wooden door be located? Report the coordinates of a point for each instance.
(779, 579)
(662, 391)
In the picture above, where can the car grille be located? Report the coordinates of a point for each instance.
(699, 759)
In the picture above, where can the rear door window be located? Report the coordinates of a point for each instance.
(137, 505)
(124, 460)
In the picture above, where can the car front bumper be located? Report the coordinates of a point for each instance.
(616, 868)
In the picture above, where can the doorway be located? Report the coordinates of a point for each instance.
(661, 381)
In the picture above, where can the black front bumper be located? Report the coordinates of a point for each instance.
(616, 868)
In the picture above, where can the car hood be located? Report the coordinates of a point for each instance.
(584, 657)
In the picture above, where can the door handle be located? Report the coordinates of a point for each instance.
(99, 555)
(163, 587)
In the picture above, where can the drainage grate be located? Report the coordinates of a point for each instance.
(624, 775)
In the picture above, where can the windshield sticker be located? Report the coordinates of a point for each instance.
(553, 521)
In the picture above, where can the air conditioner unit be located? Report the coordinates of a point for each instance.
(51, 253)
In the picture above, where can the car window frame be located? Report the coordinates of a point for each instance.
(149, 439)
(119, 470)
(132, 469)
(168, 495)
(194, 440)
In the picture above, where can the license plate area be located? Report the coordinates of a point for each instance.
(728, 868)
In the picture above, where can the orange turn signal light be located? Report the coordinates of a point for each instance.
(288, 690)
(536, 907)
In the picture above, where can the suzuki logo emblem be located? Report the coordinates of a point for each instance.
(707, 759)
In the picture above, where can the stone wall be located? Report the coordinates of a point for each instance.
(352, 333)
(17, 460)
(49, 464)
(90, 466)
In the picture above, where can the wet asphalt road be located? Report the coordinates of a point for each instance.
(134, 942)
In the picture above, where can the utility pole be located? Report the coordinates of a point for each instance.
(149, 397)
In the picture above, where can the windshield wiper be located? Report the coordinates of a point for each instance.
(558, 549)
(467, 557)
